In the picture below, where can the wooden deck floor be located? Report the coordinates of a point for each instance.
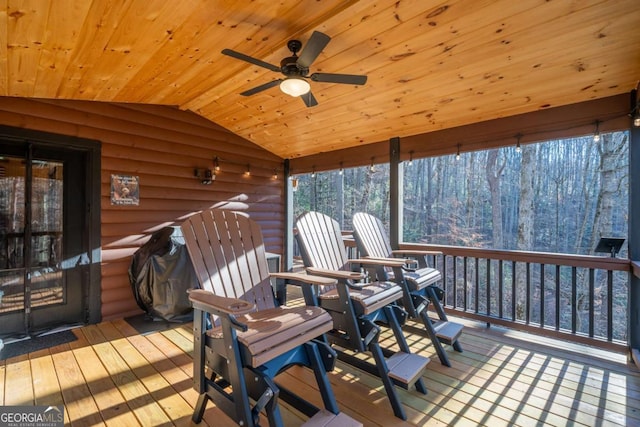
(112, 375)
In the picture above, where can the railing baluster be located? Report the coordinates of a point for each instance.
(557, 297)
(466, 289)
(542, 295)
(455, 281)
(500, 288)
(609, 305)
(488, 287)
(574, 299)
(513, 291)
(591, 301)
(477, 286)
(527, 307)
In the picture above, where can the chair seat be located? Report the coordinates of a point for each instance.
(367, 299)
(421, 278)
(273, 332)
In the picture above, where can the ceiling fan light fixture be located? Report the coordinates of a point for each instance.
(295, 86)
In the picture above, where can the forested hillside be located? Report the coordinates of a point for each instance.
(557, 196)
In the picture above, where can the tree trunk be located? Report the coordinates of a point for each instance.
(525, 223)
(493, 174)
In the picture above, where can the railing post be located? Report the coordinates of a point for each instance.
(287, 259)
(634, 228)
(396, 176)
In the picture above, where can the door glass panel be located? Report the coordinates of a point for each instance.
(12, 191)
(46, 233)
(44, 275)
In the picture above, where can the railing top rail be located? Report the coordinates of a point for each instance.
(587, 261)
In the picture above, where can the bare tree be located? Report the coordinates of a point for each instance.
(494, 174)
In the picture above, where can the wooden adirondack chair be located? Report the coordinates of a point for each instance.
(241, 337)
(371, 240)
(358, 308)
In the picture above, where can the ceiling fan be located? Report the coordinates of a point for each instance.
(296, 69)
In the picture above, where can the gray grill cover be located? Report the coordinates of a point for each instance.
(160, 275)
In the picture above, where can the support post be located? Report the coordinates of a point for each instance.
(634, 231)
(396, 193)
(287, 257)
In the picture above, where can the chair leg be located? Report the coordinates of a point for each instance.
(442, 355)
(392, 314)
(441, 314)
(198, 412)
(389, 387)
(328, 398)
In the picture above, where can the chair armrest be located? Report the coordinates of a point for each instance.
(305, 278)
(414, 252)
(336, 274)
(211, 303)
(385, 262)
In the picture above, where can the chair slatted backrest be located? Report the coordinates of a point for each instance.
(228, 254)
(371, 236)
(321, 242)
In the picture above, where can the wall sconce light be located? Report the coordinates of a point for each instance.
(248, 171)
(635, 106)
(410, 158)
(458, 153)
(340, 171)
(205, 176)
(372, 167)
(596, 134)
(216, 164)
(518, 138)
(313, 172)
(275, 174)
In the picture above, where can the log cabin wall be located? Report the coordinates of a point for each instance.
(162, 146)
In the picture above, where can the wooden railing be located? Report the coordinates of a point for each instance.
(574, 297)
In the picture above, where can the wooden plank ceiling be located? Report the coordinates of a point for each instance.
(431, 64)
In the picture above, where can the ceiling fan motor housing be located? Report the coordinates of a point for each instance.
(290, 67)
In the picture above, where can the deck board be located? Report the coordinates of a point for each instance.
(112, 375)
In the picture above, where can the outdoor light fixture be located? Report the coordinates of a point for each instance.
(205, 176)
(295, 86)
(216, 164)
(635, 106)
(518, 137)
(635, 114)
(372, 167)
(596, 135)
(313, 172)
(275, 174)
(410, 158)
(248, 171)
(458, 153)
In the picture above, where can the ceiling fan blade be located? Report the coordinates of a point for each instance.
(350, 79)
(312, 49)
(309, 99)
(261, 88)
(247, 58)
